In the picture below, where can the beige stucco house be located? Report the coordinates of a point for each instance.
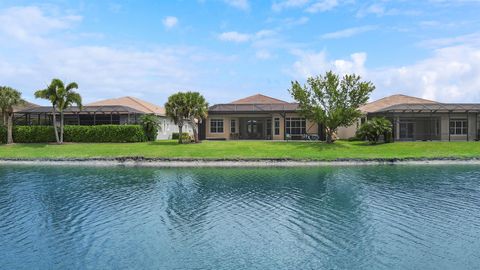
(413, 119)
(257, 117)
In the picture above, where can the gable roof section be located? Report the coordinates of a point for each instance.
(389, 101)
(259, 99)
(132, 102)
(26, 105)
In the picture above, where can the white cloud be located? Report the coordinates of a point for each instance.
(101, 71)
(29, 24)
(263, 54)
(315, 63)
(280, 5)
(449, 75)
(170, 22)
(322, 5)
(240, 4)
(234, 36)
(345, 33)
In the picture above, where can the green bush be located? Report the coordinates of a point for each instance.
(374, 128)
(33, 134)
(186, 138)
(175, 135)
(150, 124)
(101, 133)
(105, 133)
(3, 134)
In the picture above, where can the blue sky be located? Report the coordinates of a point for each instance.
(228, 49)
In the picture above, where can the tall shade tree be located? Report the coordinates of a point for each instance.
(197, 110)
(176, 109)
(9, 98)
(61, 97)
(332, 101)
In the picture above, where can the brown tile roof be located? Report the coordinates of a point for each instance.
(26, 105)
(393, 100)
(132, 102)
(259, 99)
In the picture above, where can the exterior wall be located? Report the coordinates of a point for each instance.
(344, 133)
(168, 127)
(311, 127)
(424, 127)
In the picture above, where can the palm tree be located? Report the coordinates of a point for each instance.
(197, 108)
(176, 109)
(9, 98)
(61, 98)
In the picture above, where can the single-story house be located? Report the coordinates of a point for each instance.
(265, 118)
(257, 117)
(117, 111)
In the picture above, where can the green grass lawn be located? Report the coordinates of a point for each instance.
(246, 150)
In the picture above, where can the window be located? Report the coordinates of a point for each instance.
(277, 126)
(233, 126)
(216, 125)
(458, 127)
(295, 126)
(269, 127)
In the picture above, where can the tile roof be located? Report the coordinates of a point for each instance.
(385, 102)
(259, 99)
(26, 105)
(132, 102)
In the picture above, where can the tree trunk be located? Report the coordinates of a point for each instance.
(61, 126)
(10, 128)
(329, 135)
(55, 125)
(4, 113)
(180, 133)
(195, 130)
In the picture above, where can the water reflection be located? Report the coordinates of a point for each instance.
(379, 217)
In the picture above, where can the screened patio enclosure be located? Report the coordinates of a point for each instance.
(433, 122)
(87, 115)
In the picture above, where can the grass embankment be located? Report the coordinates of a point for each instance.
(246, 150)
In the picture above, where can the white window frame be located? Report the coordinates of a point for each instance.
(276, 126)
(296, 123)
(233, 125)
(215, 127)
(459, 128)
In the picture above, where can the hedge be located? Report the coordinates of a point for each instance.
(101, 133)
(175, 135)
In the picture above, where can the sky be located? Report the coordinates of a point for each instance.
(229, 49)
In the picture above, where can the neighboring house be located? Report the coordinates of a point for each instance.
(117, 111)
(416, 119)
(257, 117)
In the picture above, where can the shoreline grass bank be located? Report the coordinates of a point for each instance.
(246, 150)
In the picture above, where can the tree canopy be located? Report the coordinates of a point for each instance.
(331, 101)
(9, 98)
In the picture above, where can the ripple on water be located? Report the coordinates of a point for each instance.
(378, 217)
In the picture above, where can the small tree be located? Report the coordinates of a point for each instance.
(150, 125)
(331, 101)
(197, 110)
(61, 98)
(374, 128)
(9, 98)
(176, 109)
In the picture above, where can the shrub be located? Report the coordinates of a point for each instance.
(186, 138)
(374, 128)
(3, 134)
(103, 133)
(176, 134)
(150, 126)
(33, 134)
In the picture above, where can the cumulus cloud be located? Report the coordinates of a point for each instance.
(449, 75)
(280, 5)
(101, 71)
(345, 33)
(234, 36)
(321, 6)
(170, 22)
(240, 4)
